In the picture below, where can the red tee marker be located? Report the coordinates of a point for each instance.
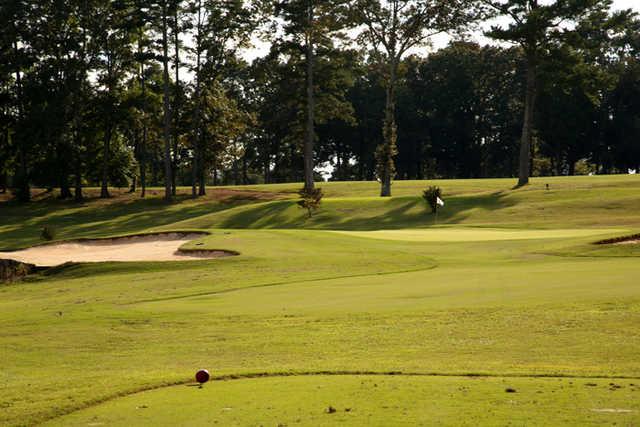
(202, 376)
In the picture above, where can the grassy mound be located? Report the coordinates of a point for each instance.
(512, 287)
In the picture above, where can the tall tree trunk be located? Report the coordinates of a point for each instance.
(22, 184)
(167, 108)
(197, 143)
(524, 169)
(65, 188)
(309, 134)
(176, 142)
(4, 176)
(143, 171)
(77, 179)
(202, 190)
(3, 182)
(104, 189)
(194, 178)
(245, 177)
(386, 152)
(77, 118)
(78, 197)
(236, 170)
(142, 154)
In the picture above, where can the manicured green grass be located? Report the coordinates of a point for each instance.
(483, 292)
(460, 234)
(375, 400)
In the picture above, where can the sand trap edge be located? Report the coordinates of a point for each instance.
(109, 239)
(12, 270)
(618, 240)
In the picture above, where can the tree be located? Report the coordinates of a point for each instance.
(310, 23)
(462, 105)
(220, 30)
(432, 196)
(164, 25)
(111, 50)
(178, 25)
(534, 26)
(395, 27)
(310, 199)
(141, 106)
(17, 58)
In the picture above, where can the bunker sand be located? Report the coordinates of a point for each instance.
(156, 247)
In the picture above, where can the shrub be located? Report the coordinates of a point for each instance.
(431, 196)
(310, 199)
(48, 233)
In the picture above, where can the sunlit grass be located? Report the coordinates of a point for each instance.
(507, 283)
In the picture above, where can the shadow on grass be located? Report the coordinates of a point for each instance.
(20, 225)
(359, 214)
(73, 270)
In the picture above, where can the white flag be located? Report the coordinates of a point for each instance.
(439, 201)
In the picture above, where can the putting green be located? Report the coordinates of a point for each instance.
(374, 400)
(448, 234)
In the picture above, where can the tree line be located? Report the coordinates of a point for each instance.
(145, 93)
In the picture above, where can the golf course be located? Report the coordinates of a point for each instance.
(505, 309)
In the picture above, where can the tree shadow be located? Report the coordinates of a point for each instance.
(20, 225)
(362, 215)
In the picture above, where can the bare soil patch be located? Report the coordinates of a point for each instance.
(11, 270)
(153, 247)
(634, 239)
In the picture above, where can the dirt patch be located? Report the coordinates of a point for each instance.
(634, 239)
(11, 270)
(628, 242)
(151, 247)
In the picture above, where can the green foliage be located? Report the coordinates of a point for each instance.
(310, 199)
(387, 151)
(584, 167)
(11, 271)
(431, 196)
(48, 233)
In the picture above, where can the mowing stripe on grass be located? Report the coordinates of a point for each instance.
(268, 285)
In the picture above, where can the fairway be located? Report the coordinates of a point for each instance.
(508, 291)
(320, 213)
(366, 400)
(478, 234)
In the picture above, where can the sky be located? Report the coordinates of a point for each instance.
(262, 48)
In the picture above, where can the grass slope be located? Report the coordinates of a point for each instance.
(486, 294)
(375, 401)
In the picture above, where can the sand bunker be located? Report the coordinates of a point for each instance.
(154, 247)
(624, 240)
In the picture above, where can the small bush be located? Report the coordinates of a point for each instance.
(48, 233)
(431, 195)
(310, 199)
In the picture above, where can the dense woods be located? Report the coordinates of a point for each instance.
(135, 93)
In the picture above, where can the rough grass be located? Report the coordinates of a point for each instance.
(487, 294)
